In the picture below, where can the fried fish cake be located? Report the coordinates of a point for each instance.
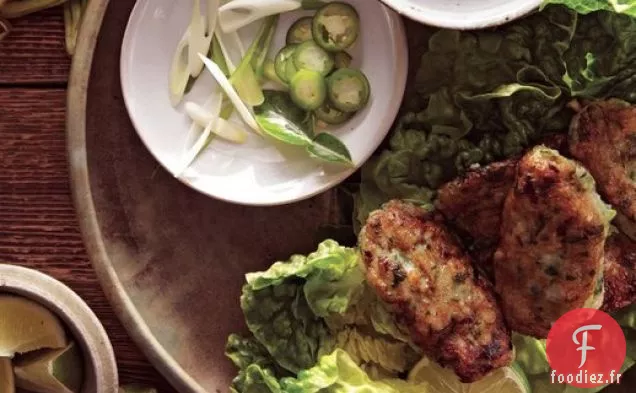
(418, 267)
(620, 273)
(603, 138)
(472, 204)
(550, 257)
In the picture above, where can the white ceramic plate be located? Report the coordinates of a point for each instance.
(464, 14)
(258, 172)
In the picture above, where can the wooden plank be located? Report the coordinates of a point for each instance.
(38, 225)
(35, 51)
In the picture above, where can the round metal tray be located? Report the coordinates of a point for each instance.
(170, 260)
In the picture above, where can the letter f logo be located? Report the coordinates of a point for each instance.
(583, 344)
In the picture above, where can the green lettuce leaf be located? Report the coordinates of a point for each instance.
(333, 277)
(627, 317)
(338, 373)
(478, 96)
(601, 61)
(256, 367)
(627, 7)
(281, 319)
(301, 309)
(284, 305)
(530, 354)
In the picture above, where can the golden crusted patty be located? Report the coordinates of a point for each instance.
(417, 266)
(472, 204)
(550, 257)
(603, 138)
(620, 273)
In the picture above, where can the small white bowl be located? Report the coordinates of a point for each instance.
(257, 173)
(100, 368)
(463, 14)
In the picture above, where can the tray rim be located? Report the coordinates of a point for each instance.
(77, 97)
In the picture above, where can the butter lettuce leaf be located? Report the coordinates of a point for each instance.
(530, 354)
(601, 61)
(627, 7)
(338, 373)
(477, 97)
(333, 277)
(304, 308)
(257, 370)
(282, 321)
(627, 317)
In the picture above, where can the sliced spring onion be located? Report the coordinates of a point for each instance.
(239, 43)
(186, 64)
(202, 141)
(225, 84)
(179, 71)
(201, 33)
(225, 129)
(222, 38)
(15, 9)
(240, 13)
(245, 79)
(216, 54)
(258, 62)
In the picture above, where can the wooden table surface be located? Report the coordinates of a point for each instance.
(38, 224)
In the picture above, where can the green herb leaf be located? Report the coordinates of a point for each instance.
(281, 119)
(328, 148)
(279, 127)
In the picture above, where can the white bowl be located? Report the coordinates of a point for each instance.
(257, 173)
(463, 14)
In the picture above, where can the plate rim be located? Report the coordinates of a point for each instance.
(421, 15)
(77, 97)
(396, 29)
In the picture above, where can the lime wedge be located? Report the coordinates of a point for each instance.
(26, 326)
(441, 380)
(136, 389)
(6, 376)
(51, 371)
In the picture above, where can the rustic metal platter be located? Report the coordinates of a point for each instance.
(171, 260)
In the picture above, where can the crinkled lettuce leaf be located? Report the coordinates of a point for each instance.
(530, 354)
(338, 373)
(627, 317)
(285, 305)
(627, 7)
(400, 176)
(257, 370)
(478, 96)
(332, 277)
(600, 63)
(282, 321)
(304, 308)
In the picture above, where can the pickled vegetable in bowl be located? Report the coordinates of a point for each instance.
(35, 349)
